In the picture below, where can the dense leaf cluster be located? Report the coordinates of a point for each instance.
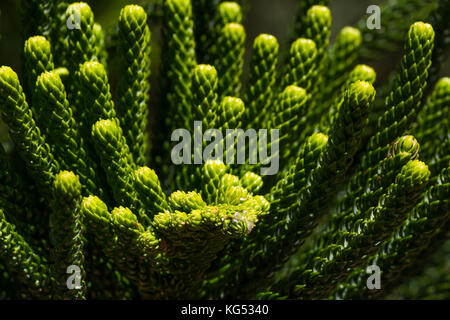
(363, 173)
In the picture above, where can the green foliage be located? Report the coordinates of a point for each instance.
(87, 182)
(260, 89)
(67, 233)
(134, 86)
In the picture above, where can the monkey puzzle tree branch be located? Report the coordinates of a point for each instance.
(33, 147)
(405, 245)
(67, 235)
(134, 86)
